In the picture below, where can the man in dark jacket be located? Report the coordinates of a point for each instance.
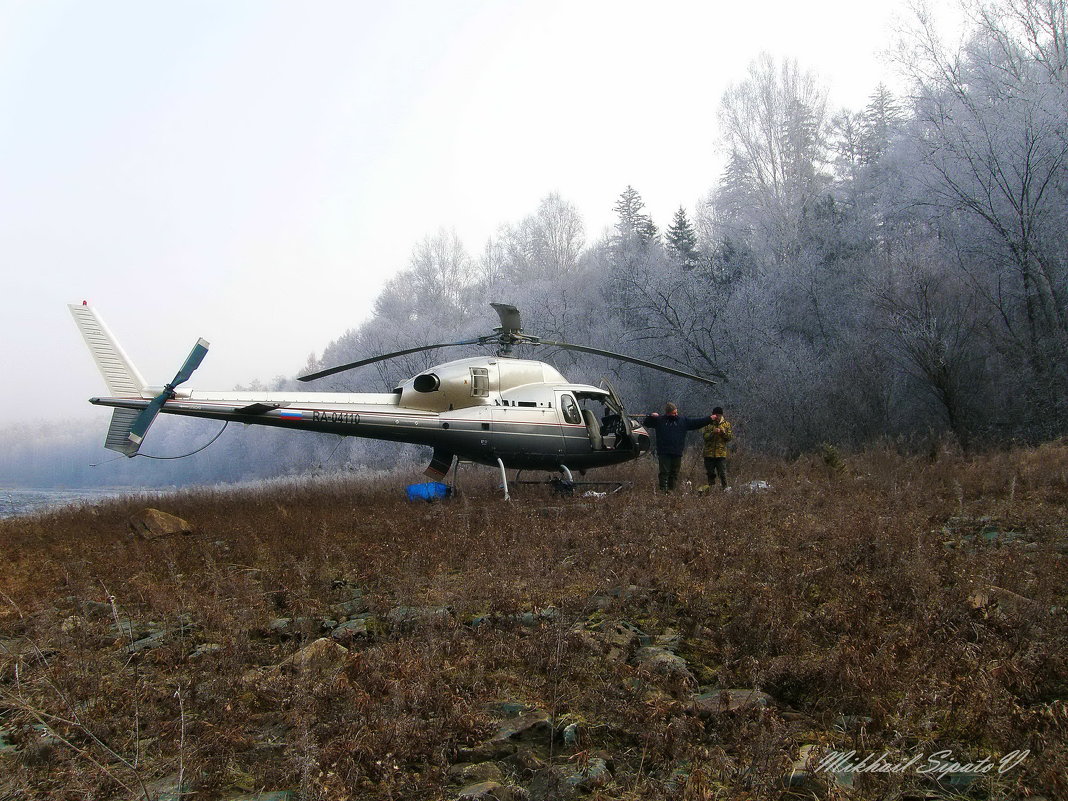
(671, 431)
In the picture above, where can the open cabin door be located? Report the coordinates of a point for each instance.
(617, 425)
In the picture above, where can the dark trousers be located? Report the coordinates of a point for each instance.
(670, 467)
(716, 466)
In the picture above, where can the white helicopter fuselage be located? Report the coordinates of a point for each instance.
(497, 410)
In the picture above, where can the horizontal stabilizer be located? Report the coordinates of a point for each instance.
(260, 408)
(118, 438)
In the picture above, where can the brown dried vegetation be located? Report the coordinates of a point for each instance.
(894, 604)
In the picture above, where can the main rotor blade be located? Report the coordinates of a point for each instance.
(509, 315)
(352, 365)
(632, 359)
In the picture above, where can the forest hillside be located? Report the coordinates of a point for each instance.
(895, 272)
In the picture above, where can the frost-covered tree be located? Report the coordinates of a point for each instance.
(632, 223)
(880, 122)
(774, 124)
(543, 245)
(847, 142)
(990, 138)
(437, 298)
(680, 240)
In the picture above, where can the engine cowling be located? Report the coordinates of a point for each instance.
(427, 382)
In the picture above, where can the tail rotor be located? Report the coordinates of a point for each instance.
(144, 420)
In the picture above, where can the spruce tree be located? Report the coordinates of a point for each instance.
(681, 241)
(881, 118)
(632, 222)
(628, 208)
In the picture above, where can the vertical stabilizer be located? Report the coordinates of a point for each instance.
(120, 375)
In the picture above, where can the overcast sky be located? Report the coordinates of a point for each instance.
(253, 172)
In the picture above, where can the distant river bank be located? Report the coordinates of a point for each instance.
(21, 501)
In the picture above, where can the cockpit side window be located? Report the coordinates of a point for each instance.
(570, 410)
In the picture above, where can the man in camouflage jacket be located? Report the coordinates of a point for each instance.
(717, 434)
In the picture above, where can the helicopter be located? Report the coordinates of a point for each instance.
(500, 410)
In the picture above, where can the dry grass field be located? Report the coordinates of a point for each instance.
(330, 640)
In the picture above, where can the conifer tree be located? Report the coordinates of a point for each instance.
(880, 118)
(632, 222)
(681, 241)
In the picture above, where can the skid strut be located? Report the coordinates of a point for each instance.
(504, 479)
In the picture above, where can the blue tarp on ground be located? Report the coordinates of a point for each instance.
(427, 491)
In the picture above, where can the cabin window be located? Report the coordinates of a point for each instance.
(570, 410)
(480, 382)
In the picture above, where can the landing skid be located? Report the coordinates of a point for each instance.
(566, 486)
(561, 486)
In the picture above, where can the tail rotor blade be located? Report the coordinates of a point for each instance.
(144, 420)
(192, 362)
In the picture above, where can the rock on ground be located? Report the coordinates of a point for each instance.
(491, 791)
(324, 654)
(152, 524)
(720, 701)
